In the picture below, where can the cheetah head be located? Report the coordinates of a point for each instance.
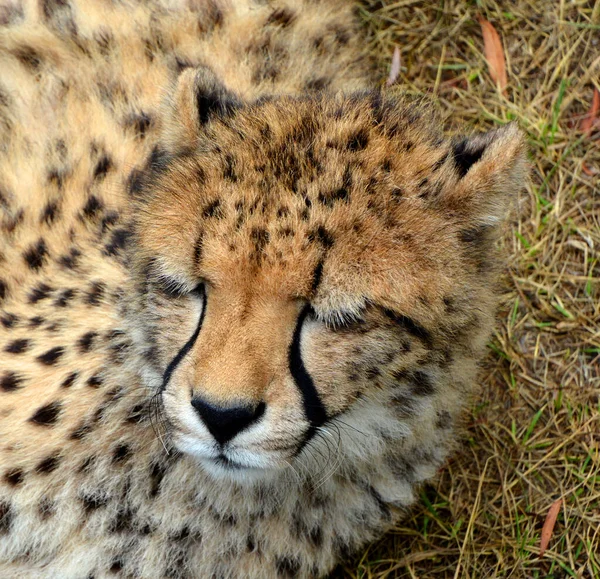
(314, 275)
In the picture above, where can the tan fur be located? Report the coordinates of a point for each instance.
(151, 149)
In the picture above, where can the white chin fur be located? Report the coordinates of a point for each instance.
(238, 465)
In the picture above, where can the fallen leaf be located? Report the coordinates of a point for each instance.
(394, 68)
(589, 171)
(549, 525)
(494, 53)
(590, 119)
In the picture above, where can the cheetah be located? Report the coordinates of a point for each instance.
(243, 289)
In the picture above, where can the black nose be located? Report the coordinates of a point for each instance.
(224, 422)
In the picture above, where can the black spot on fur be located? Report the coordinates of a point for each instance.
(122, 523)
(398, 193)
(159, 160)
(342, 193)
(54, 9)
(281, 17)
(135, 183)
(36, 321)
(11, 221)
(49, 213)
(35, 256)
(465, 157)
(87, 464)
(105, 42)
(322, 236)
(80, 431)
(47, 415)
(358, 141)
(17, 346)
(229, 169)
(422, 384)
(6, 517)
(139, 123)
(64, 298)
(341, 35)
(95, 293)
(108, 220)
(117, 242)
(69, 380)
(121, 453)
(328, 199)
(28, 57)
(137, 414)
(261, 239)
(94, 381)
(449, 305)
(46, 509)
(14, 477)
(52, 356)
(56, 177)
(383, 508)
(157, 473)
(180, 535)
(92, 502)
(213, 209)
(71, 260)
(288, 566)
(3, 290)
(86, 341)
(49, 464)
(93, 206)
(9, 320)
(41, 292)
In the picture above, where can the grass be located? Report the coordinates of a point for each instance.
(533, 434)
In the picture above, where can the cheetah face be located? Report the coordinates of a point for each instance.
(313, 275)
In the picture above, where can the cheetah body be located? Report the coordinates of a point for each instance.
(204, 198)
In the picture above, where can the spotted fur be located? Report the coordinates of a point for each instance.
(211, 218)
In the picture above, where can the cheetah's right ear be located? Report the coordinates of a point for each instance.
(198, 97)
(490, 169)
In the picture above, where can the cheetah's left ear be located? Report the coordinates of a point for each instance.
(490, 168)
(198, 98)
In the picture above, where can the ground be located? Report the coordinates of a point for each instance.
(533, 436)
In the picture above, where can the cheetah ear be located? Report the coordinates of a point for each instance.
(198, 97)
(489, 168)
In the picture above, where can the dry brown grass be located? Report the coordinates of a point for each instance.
(534, 432)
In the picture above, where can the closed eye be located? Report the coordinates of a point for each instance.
(174, 289)
(342, 322)
(339, 321)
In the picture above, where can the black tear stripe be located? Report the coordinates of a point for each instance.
(187, 347)
(313, 406)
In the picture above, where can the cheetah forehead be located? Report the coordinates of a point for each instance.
(358, 189)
